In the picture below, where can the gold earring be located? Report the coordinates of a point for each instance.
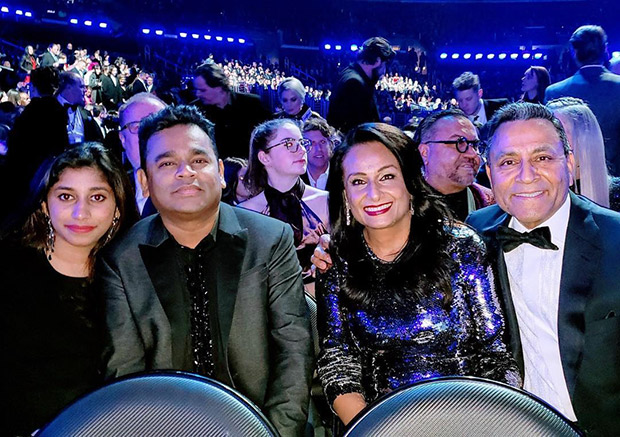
(51, 238)
(348, 212)
(111, 231)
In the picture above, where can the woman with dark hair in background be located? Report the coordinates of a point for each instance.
(28, 62)
(534, 83)
(50, 337)
(410, 294)
(234, 173)
(278, 158)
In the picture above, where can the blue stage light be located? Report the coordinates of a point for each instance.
(538, 55)
(146, 31)
(73, 21)
(28, 14)
(338, 47)
(615, 54)
(353, 47)
(159, 32)
(478, 55)
(526, 55)
(241, 41)
(183, 34)
(455, 55)
(467, 56)
(514, 55)
(19, 12)
(491, 56)
(4, 9)
(328, 47)
(207, 37)
(103, 25)
(229, 39)
(219, 38)
(88, 23)
(195, 36)
(443, 56)
(502, 56)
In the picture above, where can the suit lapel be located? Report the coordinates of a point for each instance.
(582, 255)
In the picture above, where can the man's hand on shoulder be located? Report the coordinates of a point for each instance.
(321, 259)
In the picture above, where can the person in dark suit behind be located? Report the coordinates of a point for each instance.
(80, 124)
(353, 100)
(205, 287)
(595, 84)
(468, 94)
(234, 114)
(50, 57)
(557, 261)
(139, 83)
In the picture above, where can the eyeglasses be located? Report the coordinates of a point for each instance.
(463, 144)
(292, 145)
(133, 126)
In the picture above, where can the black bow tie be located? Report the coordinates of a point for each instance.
(70, 106)
(511, 239)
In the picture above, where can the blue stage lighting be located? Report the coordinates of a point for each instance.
(241, 41)
(478, 55)
(338, 47)
(538, 55)
(28, 14)
(615, 54)
(146, 31)
(491, 56)
(159, 32)
(502, 56)
(353, 47)
(219, 38)
(4, 9)
(73, 21)
(103, 25)
(88, 23)
(443, 56)
(19, 12)
(328, 47)
(207, 37)
(526, 56)
(467, 56)
(195, 36)
(514, 55)
(183, 34)
(455, 55)
(229, 39)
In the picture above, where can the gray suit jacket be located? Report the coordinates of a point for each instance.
(263, 321)
(600, 88)
(589, 309)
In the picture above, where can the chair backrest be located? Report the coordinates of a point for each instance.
(460, 406)
(161, 404)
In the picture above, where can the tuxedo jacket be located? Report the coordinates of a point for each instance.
(589, 308)
(600, 88)
(492, 105)
(264, 327)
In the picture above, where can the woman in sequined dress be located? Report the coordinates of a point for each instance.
(49, 330)
(410, 294)
(278, 158)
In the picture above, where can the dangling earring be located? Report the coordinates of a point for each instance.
(111, 231)
(411, 207)
(348, 212)
(51, 238)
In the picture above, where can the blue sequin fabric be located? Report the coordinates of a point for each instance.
(390, 343)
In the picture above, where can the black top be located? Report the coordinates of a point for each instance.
(49, 339)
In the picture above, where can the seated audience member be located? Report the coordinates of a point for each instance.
(322, 137)
(596, 85)
(468, 94)
(448, 143)
(557, 261)
(292, 95)
(50, 324)
(278, 158)
(534, 83)
(130, 115)
(586, 141)
(234, 114)
(400, 271)
(214, 290)
(235, 191)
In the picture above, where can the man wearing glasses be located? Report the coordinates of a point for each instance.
(130, 115)
(449, 145)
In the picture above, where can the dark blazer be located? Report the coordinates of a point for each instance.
(353, 100)
(600, 88)
(589, 309)
(48, 59)
(92, 132)
(138, 87)
(263, 325)
(234, 123)
(492, 105)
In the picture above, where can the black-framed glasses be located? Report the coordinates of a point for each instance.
(462, 144)
(133, 126)
(292, 144)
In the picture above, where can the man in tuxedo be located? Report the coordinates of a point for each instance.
(353, 101)
(50, 57)
(205, 287)
(449, 145)
(557, 263)
(80, 124)
(130, 115)
(468, 94)
(234, 114)
(597, 86)
(139, 84)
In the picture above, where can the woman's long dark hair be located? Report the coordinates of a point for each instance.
(94, 155)
(232, 166)
(424, 266)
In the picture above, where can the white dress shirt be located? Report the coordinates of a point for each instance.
(321, 181)
(480, 116)
(140, 199)
(534, 275)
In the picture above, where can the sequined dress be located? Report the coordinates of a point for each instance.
(388, 343)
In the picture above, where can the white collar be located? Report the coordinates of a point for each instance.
(557, 223)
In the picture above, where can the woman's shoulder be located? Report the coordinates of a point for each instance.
(464, 237)
(314, 194)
